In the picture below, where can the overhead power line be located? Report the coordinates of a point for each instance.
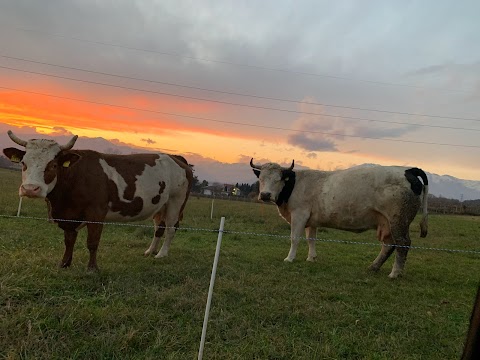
(231, 63)
(244, 105)
(238, 123)
(235, 93)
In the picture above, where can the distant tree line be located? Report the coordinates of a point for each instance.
(248, 189)
(442, 205)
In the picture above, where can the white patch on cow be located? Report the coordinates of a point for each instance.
(148, 183)
(39, 152)
(147, 186)
(113, 175)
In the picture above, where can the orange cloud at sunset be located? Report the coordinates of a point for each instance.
(26, 109)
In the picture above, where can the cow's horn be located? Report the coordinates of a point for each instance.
(70, 144)
(291, 166)
(258, 167)
(16, 139)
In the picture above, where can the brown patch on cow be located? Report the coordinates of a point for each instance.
(72, 194)
(131, 208)
(162, 187)
(181, 158)
(182, 162)
(50, 171)
(161, 229)
(156, 199)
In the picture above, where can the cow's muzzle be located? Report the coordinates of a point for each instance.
(265, 196)
(29, 190)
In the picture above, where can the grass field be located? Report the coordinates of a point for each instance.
(263, 308)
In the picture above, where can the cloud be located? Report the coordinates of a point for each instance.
(312, 142)
(432, 69)
(60, 131)
(382, 132)
(313, 130)
(456, 77)
(317, 133)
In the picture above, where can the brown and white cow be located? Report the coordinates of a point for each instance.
(385, 198)
(86, 188)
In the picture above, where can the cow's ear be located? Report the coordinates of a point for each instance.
(68, 159)
(286, 174)
(256, 172)
(15, 155)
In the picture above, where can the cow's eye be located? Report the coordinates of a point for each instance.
(24, 166)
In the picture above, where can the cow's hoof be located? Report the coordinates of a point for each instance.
(373, 268)
(64, 264)
(312, 258)
(92, 268)
(287, 259)
(160, 255)
(147, 252)
(394, 275)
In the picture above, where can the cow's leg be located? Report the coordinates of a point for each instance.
(402, 240)
(311, 233)
(384, 235)
(298, 221)
(70, 236)
(159, 231)
(171, 223)
(93, 239)
(385, 252)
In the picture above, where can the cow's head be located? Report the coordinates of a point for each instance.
(272, 178)
(41, 161)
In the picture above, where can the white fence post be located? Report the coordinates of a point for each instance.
(211, 211)
(210, 289)
(19, 206)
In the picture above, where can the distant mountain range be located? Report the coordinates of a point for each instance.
(231, 173)
(450, 187)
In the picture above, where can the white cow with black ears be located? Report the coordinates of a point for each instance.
(385, 198)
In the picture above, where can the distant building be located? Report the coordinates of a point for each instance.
(230, 189)
(208, 190)
(221, 189)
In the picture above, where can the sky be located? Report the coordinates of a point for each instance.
(328, 84)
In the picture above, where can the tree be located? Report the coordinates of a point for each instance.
(196, 186)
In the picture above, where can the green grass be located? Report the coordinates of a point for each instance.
(263, 308)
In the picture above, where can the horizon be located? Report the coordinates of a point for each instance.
(214, 172)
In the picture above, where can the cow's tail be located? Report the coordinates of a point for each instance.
(412, 176)
(424, 222)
